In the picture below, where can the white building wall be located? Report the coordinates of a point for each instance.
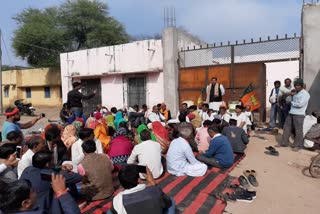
(280, 71)
(141, 56)
(112, 91)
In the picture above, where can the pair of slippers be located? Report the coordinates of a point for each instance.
(271, 151)
(249, 175)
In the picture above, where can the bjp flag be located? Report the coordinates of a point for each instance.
(249, 98)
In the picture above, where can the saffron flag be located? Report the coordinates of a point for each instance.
(249, 98)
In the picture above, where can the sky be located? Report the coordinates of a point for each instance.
(210, 20)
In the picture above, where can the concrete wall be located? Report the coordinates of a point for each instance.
(280, 71)
(173, 40)
(38, 77)
(112, 91)
(141, 56)
(311, 36)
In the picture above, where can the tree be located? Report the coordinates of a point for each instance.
(39, 29)
(75, 25)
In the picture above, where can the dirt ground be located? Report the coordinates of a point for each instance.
(285, 185)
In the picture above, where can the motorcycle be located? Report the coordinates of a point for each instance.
(25, 108)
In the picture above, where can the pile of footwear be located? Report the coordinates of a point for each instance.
(241, 192)
(271, 151)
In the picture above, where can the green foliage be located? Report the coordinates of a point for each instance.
(72, 26)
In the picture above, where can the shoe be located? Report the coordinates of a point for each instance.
(239, 196)
(253, 172)
(253, 181)
(274, 153)
(246, 173)
(270, 148)
(243, 182)
(252, 194)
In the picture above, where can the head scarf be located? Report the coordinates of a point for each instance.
(69, 135)
(77, 125)
(144, 127)
(81, 120)
(110, 120)
(119, 118)
(120, 132)
(98, 115)
(160, 130)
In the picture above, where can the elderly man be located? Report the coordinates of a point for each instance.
(12, 124)
(215, 92)
(155, 115)
(180, 159)
(294, 121)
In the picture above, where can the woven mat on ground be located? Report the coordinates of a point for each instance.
(191, 194)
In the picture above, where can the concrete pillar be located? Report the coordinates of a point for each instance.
(311, 57)
(170, 69)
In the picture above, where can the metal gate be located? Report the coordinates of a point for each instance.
(136, 91)
(88, 86)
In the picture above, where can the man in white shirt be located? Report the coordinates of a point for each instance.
(240, 117)
(36, 144)
(204, 112)
(77, 154)
(155, 115)
(147, 153)
(180, 159)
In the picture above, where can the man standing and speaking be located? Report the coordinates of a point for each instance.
(215, 92)
(75, 97)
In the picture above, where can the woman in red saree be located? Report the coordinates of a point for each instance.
(162, 136)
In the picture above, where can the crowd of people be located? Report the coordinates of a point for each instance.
(77, 161)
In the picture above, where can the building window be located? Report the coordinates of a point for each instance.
(28, 92)
(6, 91)
(60, 92)
(47, 93)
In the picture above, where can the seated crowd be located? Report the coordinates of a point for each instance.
(77, 161)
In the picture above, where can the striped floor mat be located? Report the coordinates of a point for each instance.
(191, 195)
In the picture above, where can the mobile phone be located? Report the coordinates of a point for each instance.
(18, 150)
(142, 169)
(45, 176)
(43, 115)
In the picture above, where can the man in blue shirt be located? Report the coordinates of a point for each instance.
(220, 152)
(294, 121)
(12, 124)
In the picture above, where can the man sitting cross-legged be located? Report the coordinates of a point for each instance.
(140, 198)
(180, 159)
(220, 153)
(237, 136)
(147, 153)
(96, 170)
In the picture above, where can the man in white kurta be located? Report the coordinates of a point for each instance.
(181, 161)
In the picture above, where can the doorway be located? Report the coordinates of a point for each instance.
(88, 86)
